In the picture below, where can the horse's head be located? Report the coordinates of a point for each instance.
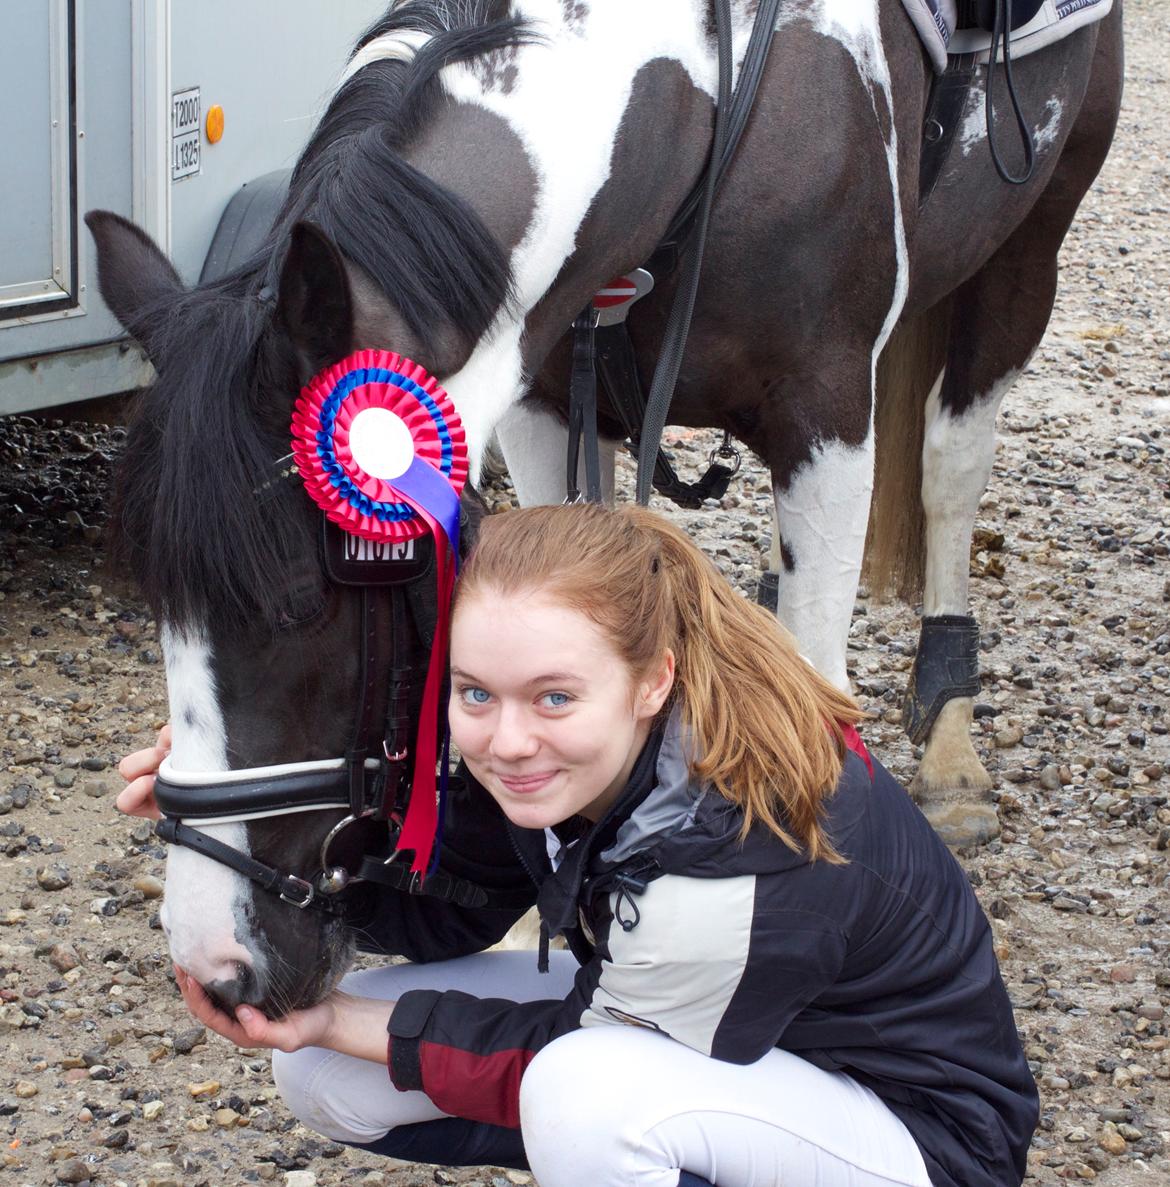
(268, 648)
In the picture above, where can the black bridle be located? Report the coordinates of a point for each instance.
(370, 782)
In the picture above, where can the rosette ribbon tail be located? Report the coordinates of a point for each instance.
(435, 500)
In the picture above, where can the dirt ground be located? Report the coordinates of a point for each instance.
(103, 1077)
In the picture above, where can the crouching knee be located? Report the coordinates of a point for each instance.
(578, 1101)
(312, 1084)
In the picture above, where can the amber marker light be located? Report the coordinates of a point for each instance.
(214, 124)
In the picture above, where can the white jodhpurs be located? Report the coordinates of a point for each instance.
(624, 1107)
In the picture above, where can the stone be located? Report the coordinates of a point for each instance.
(150, 886)
(204, 1088)
(187, 1040)
(25, 1089)
(300, 1179)
(1008, 737)
(55, 877)
(63, 957)
(153, 1110)
(1112, 1143)
(73, 1171)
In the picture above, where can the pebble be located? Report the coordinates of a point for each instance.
(185, 1041)
(73, 1171)
(56, 877)
(150, 886)
(300, 1179)
(204, 1088)
(1112, 1143)
(153, 1110)
(63, 957)
(25, 1089)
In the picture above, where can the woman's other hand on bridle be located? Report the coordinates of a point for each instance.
(139, 770)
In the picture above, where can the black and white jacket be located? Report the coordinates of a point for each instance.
(881, 967)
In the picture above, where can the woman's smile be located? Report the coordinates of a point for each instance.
(526, 784)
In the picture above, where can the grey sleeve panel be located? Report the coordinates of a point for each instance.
(678, 970)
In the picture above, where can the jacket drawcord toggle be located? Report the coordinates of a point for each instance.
(628, 886)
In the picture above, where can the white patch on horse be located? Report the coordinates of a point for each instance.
(532, 440)
(400, 46)
(1045, 134)
(823, 516)
(957, 455)
(205, 902)
(569, 145)
(973, 130)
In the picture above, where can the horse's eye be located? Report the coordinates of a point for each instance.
(303, 600)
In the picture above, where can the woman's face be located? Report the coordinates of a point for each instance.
(544, 711)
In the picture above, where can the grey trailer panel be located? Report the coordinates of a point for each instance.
(38, 263)
(271, 64)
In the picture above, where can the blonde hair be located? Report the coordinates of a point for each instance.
(767, 726)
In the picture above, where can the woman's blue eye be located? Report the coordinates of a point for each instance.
(556, 700)
(475, 696)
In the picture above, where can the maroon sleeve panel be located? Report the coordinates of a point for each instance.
(478, 1087)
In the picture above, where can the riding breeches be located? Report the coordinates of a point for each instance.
(610, 1106)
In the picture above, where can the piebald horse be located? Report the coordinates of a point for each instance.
(483, 168)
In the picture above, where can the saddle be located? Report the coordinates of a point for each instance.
(958, 36)
(962, 27)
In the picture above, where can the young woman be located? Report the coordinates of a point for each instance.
(777, 974)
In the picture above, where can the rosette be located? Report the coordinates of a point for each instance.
(358, 429)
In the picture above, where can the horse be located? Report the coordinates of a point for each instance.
(483, 168)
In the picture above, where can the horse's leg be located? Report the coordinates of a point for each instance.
(535, 444)
(999, 317)
(821, 510)
(958, 448)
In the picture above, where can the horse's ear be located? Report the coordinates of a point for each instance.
(315, 305)
(134, 277)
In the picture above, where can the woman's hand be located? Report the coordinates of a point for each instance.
(139, 770)
(351, 1025)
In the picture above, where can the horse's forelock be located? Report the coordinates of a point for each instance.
(202, 443)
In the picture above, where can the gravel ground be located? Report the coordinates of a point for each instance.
(102, 1075)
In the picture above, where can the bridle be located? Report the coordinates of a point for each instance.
(370, 782)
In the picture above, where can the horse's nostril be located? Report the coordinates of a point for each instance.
(227, 993)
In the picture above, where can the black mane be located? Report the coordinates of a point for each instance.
(197, 515)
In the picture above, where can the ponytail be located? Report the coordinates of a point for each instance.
(767, 727)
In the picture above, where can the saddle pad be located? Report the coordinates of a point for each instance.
(935, 21)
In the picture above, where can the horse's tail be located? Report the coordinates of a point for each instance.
(895, 549)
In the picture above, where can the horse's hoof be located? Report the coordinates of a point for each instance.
(962, 822)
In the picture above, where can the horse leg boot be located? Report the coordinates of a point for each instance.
(951, 786)
(535, 445)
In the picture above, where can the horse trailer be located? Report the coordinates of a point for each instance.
(181, 115)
